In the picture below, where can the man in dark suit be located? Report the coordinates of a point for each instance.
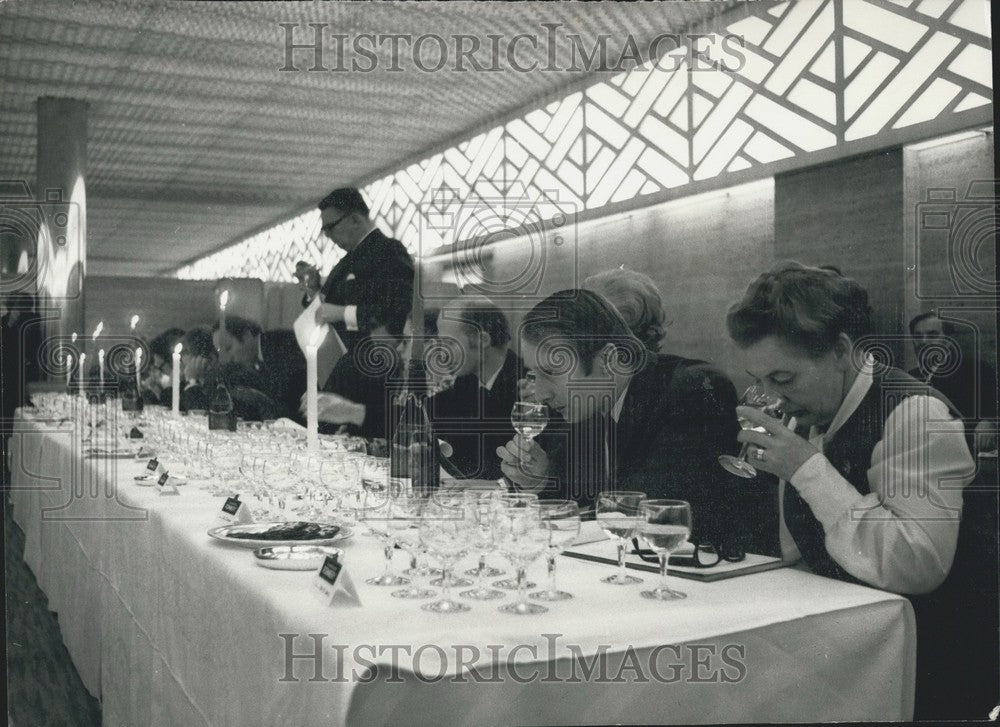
(479, 374)
(270, 362)
(373, 282)
(970, 385)
(655, 423)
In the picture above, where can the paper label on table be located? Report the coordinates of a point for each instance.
(164, 486)
(154, 466)
(235, 512)
(329, 346)
(334, 585)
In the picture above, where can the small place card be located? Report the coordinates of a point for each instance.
(334, 585)
(234, 511)
(164, 486)
(154, 465)
(135, 433)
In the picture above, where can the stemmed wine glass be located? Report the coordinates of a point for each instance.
(758, 397)
(445, 530)
(515, 499)
(404, 523)
(619, 516)
(521, 537)
(529, 418)
(666, 526)
(561, 518)
(481, 503)
(377, 514)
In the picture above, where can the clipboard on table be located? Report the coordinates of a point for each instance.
(329, 348)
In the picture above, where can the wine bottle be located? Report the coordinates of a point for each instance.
(130, 395)
(413, 465)
(221, 413)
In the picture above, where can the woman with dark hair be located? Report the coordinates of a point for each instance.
(874, 464)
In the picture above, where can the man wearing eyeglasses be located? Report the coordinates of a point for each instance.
(373, 282)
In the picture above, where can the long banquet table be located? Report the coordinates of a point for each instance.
(169, 627)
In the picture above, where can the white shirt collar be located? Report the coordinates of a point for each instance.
(488, 384)
(855, 394)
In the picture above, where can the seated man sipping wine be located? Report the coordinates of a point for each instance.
(875, 463)
(655, 423)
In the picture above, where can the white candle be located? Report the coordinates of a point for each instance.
(83, 369)
(138, 371)
(223, 301)
(100, 367)
(175, 398)
(69, 370)
(312, 392)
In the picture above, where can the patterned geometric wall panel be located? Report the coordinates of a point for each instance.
(807, 76)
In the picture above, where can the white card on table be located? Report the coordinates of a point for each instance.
(334, 585)
(154, 466)
(235, 512)
(164, 486)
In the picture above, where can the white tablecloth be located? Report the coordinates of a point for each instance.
(169, 627)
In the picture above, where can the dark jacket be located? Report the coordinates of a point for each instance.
(678, 415)
(370, 375)
(971, 386)
(476, 421)
(377, 277)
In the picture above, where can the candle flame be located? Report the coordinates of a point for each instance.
(82, 357)
(73, 337)
(224, 299)
(97, 331)
(178, 348)
(69, 360)
(135, 322)
(100, 354)
(138, 353)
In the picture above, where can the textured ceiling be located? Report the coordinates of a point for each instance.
(197, 138)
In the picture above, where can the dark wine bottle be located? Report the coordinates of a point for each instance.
(413, 458)
(130, 395)
(221, 413)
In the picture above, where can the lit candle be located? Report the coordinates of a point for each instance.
(223, 301)
(138, 371)
(83, 369)
(135, 322)
(312, 391)
(69, 370)
(73, 337)
(175, 398)
(100, 367)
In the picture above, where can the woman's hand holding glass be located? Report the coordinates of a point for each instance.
(776, 448)
(758, 398)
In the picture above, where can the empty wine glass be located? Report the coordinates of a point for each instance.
(561, 519)
(404, 522)
(445, 530)
(521, 537)
(666, 526)
(481, 503)
(515, 499)
(758, 397)
(377, 515)
(619, 516)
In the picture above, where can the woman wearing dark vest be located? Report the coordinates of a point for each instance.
(873, 464)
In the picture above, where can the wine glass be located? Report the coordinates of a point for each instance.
(521, 537)
(561, 518)
(760, 398)
(481, 503)
(404, 522)
(445, 530)
(377, 514)
(515, 499)
(529, 418)
(666, 526)
(619, 516)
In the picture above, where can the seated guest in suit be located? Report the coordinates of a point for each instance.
(273, 356)
(636, 297)
(874, 473)
(359, 390)
(637, 420)
(969, 384)
(473, 413)
(199, 367)
(373, 282)
(157, 378)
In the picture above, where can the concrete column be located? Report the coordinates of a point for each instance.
(60, 191)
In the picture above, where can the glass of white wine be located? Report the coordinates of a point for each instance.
(759, 398)
(666, 526)
(619, 516)
(529, 418)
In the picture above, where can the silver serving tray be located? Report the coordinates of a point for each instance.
(294, 557)
(224, 533)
